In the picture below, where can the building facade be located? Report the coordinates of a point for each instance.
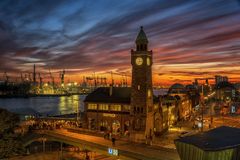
(108, 109)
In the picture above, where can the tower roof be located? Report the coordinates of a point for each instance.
(141, 38)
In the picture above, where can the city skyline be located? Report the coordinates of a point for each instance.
(189, 39)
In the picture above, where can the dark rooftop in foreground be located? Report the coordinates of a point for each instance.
(102, 94)
(119, 95)
(216, 139)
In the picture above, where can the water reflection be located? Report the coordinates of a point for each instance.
(44, 105)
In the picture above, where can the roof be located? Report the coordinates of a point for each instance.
(141, 38)
(177, 89)
(177, 86)
(119, 95)
(216, 139)
(102, 94)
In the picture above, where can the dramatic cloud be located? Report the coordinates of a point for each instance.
(190, 39)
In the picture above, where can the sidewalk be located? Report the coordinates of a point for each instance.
(129, 149)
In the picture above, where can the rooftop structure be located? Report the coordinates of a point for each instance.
(211, 145)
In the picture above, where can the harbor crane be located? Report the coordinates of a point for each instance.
(6, 77)
(51, 77)
(61, 75)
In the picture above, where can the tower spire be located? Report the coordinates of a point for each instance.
(141, 40)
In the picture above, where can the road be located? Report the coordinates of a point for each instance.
(128, 149)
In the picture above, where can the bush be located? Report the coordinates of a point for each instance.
(10, 143)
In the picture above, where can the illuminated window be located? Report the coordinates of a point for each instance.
(126, 107)
(92, 106)
(149, 93)
(103, 107)
(115, 107)
(138, 87)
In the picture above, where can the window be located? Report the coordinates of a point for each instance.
(149, 93)
(138, 109)
(103, 107)
(115, 107)
(138, 87)
(92, 106)
(126, 108)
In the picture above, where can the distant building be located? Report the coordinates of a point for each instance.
(219, 79)
(170, 111)
(225, 91)
(194, 95)
(237, 86)
(221, 143)
(186, 99)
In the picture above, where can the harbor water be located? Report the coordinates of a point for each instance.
(44, 106)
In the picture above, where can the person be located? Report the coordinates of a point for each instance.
(87, 157)
(113, 141)
(146, 139)
(110, 135)
(150, 138)
(106, 135)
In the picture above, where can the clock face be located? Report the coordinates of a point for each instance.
(148, 61)
(139, 61)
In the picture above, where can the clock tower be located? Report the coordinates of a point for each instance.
(141, 91)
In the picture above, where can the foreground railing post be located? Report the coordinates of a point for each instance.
(61, 151)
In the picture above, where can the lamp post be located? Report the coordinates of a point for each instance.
(78, 115)
(202, 119)
(43, 139)
(202, 105)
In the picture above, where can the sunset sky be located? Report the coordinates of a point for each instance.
(189, 39)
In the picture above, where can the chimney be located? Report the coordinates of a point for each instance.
(111, 90)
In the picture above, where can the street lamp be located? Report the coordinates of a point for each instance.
(78, 115)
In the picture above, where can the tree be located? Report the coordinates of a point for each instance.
(9, 141)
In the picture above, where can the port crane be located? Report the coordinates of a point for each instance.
(62, 75)
(52, 78)
(6, 77)
(123, 78)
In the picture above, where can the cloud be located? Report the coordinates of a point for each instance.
(198, 37)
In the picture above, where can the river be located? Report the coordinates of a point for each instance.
(44, 105)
